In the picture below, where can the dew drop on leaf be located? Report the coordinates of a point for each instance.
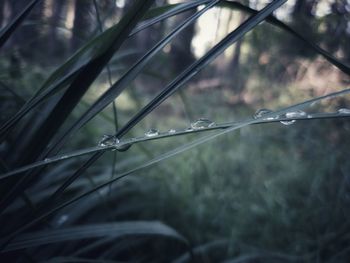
(108, 140)
(296, 114)
(152, 132)
(293, 114)
(202, 123)
(123, 148)
(259, 113)
(344, 111)
(288, 122)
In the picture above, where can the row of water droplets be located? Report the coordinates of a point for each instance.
(203, 123)
(199, 124)
(111, 140)
(290, 115)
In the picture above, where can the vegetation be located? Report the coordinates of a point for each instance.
(226, 127)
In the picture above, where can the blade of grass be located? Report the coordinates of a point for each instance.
(6, 32)
(99, 150)
(65, 74)
(114, 108)
(175, 10)
(112, 93)
(156, 160)
(217, 247)
(116, 230)
(167, 155)
(272, 117)
(79, 260)
(104, 99)
(74, 93)
(192, 70)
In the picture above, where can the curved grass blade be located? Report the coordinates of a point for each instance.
(116, 230)
(158, 159)
(207, 251)
(114, 108)
(267, 118)
(80, 260)
(6, 32)
(114, 91)
(192, 70)
(124, 143)
(269, 257)
(276, 22)
(81, 83)
(174, 9)
(65, 74)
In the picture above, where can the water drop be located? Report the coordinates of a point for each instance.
(171, 131)
(108, 140)
(293, 114)
(296, 114)
(123, 148)
(288, 122)
(202, 123)
(260, 113)
(152, 132)
(344, 111)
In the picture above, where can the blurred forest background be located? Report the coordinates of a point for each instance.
(267, 193)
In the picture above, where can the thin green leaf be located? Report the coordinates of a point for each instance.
(274, 116)
(116, 230)
(66, 73)
(192, 70)
(268, 257)
(79, 260)
(165, 156)
(115, 90)
(6, 32)
(86, 76)
(173, 10)
(213, 251)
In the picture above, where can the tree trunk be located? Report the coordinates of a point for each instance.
(54, 40)
(303, 21)
(181, 53)
(82, 23)
(235, 69)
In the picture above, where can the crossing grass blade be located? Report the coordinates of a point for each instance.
(115, 90)
(79, 260)
(72, 98)
(97, 149)
(170, 10)
(192, 70)
(66, 73)
(116, 230)
(73, 94)
(7, 31)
